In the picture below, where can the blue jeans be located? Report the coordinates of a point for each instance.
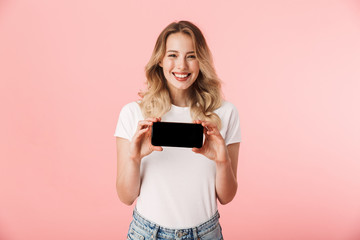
(143, 229)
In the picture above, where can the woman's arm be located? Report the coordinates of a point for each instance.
(128, 173)
(226, 169)
(225, 158)
(129, 155)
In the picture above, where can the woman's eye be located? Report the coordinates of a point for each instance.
(172, 55)
(192, 56)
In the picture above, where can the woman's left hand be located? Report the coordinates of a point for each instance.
(214, 146)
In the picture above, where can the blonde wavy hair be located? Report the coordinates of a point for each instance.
(204, 94)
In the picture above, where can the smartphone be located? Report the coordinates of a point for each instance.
(173, 134)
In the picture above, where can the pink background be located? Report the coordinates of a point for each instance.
(292, 68)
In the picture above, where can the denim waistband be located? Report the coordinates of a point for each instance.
(164, 232)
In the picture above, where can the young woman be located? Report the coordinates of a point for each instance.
(177, 188)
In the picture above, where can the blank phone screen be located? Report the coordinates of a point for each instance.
(177, 134)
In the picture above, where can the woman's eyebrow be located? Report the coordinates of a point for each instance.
(178, 51)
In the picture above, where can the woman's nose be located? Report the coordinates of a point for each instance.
(181, 63)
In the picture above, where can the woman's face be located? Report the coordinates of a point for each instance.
(180, 66)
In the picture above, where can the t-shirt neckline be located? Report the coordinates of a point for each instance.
(178, 107)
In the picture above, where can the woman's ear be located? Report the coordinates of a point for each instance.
(160, 64)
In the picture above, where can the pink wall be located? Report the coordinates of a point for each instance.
(291, 67)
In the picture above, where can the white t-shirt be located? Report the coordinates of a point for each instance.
(178, 185)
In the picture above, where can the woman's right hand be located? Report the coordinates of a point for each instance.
(140, 145)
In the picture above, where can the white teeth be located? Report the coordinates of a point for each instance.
(181, 75)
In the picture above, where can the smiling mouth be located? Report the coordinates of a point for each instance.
(181, 77)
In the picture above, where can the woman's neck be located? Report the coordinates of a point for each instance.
(180, 98)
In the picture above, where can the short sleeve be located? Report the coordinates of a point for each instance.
(126, 123)
(233, 132)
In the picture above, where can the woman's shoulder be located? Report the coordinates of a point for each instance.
(132, 105)
(132, 108)
(226, 106)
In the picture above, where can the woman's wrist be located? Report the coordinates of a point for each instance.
(223, 162)
(135, 158)
(223, 158)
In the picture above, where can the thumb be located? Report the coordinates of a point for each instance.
(196, 150)
(157, 148)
